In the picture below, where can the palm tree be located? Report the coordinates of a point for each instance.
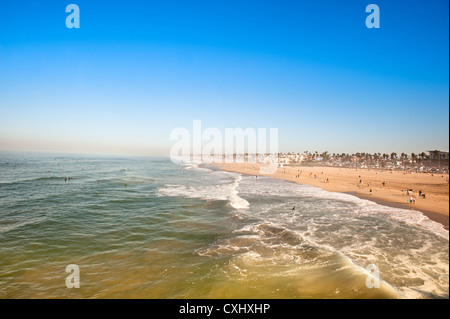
(324, 155)
(369, 158)
(437, 154)
(443, 156)
(404, 156)
(423, 155)
(376, 157)
(414, 158)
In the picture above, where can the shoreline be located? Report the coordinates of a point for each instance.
(439, 218)
(435, 207)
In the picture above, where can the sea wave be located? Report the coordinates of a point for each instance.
(267, 187)
(220, 191)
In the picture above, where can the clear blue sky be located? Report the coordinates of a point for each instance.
(135, 70)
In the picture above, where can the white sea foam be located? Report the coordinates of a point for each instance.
(223, 191)
(195, 166)
(306, 192)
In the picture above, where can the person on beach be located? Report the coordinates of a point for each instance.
(371, 192)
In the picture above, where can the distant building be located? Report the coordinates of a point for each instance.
(290, 158)
(442, 155)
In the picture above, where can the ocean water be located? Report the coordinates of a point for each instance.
(149, 228)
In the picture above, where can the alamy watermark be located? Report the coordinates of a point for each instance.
(73, 19)
(236, 145)
(373, 19)
(373, 278)
(73, 279)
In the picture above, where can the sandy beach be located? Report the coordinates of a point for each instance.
(388, 188)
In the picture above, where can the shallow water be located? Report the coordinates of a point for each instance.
(149, 228)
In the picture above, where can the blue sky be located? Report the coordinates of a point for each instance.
(136, 70)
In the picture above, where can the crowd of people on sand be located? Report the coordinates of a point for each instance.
(409, 192)
(299, 172)
(412, 199)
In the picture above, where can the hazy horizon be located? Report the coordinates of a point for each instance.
(164, 155)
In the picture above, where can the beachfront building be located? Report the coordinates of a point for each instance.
(290, 158)
(438, 155)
